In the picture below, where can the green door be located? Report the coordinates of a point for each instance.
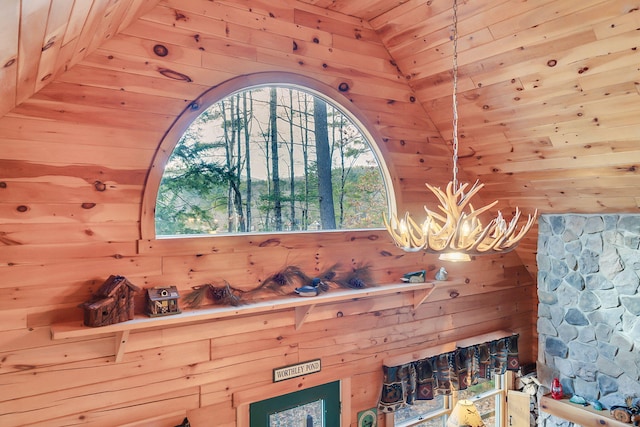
(313, 407)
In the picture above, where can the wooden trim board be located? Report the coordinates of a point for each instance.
(444, 348)
(585, 416)
(302, 306)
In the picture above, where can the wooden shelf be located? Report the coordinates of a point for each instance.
(585, 416)
(303, 306)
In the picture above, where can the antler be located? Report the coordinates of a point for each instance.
(460, 228)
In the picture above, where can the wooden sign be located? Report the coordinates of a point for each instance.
(297, 370)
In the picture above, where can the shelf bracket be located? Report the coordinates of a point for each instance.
(121, 343)
(420, 296)
(302, 312)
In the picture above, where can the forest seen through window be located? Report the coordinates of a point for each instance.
(270, 159)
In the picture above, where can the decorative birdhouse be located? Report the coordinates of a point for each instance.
(162, 301)
(113, 303)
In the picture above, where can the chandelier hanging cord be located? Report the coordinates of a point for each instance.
(457, 231)
(455, 96)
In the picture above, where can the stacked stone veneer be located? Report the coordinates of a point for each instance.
(589, 306)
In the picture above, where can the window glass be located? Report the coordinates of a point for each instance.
(488, 408)
(271, 159)
(419, 410)
(308, 414)
(486, 397)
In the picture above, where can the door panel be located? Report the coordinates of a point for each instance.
(518, 409)
(313, 407)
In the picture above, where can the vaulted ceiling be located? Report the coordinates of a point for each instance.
(549, 91)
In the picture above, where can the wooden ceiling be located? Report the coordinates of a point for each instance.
(41, 38)
(549, 91)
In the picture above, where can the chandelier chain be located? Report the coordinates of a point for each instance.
(455, 231)
(455, 95)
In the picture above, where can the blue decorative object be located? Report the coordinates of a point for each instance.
(311, 290)
(597, 405)
(442, 274)
(578, 399)
(415, 276)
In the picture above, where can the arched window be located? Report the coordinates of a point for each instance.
(271, 158)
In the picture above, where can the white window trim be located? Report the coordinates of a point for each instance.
(218, 92)
(500, 392)
(506, 379)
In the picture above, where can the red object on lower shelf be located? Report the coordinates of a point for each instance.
(556, 389)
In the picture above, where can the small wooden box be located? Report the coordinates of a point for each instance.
(162, 301)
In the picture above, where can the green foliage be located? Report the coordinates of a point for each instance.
(209, 166)
(191, 190)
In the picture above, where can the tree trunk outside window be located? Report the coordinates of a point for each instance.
(275, 159)
(323, 153)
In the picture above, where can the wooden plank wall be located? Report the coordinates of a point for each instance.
(73, 163)
(546, 90)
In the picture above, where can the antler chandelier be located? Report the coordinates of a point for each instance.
(457, 232)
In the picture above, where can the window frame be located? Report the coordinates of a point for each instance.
(219, 92)
(499, 391)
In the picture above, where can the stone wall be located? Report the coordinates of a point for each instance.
(588, 324)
